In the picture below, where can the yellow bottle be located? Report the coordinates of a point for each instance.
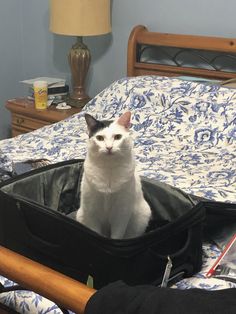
(40, 94)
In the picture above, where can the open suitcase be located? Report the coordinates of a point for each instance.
(36, 220)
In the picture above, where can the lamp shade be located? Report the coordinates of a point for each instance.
(80, 17)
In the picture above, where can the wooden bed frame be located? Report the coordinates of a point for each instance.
(140, 36)
(64, 291)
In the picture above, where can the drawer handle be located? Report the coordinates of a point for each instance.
(20, 121)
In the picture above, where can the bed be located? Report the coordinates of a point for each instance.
(184, 126)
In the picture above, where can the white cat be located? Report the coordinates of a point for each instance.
(112, 201)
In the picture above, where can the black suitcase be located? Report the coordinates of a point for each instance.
(36, 221)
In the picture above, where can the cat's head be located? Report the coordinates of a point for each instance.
(109, 138)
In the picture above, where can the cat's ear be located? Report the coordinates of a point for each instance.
(124, 120)
(91, 122)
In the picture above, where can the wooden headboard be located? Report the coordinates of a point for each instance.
(220, 50)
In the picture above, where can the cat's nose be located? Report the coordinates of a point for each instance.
(109, 148)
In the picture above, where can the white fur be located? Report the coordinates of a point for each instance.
(112, 201)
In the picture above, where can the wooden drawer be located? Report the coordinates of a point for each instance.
(26, 118)
(17, 131)
(24, 122)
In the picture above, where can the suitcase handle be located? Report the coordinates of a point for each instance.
(178, 271)
(178, 252)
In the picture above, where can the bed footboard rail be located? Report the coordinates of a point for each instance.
(64, 291)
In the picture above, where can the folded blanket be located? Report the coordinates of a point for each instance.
(118, 298)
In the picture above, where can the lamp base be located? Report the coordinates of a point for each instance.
(79, 59)
(76, 102)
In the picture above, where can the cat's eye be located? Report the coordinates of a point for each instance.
(117, 137)
(100, 138)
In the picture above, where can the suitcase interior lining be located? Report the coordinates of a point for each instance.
(58, 189)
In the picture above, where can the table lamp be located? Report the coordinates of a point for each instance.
(79, 18)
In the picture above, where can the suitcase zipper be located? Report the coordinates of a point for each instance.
(166, 275)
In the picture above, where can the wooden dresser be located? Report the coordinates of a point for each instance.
(26, 118)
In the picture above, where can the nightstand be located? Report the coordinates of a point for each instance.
(26, 118)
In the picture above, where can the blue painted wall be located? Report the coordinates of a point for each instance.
(28, 49)
(10, 58)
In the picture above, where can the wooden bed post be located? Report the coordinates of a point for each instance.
(132, 48)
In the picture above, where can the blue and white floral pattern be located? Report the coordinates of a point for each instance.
(184, 133)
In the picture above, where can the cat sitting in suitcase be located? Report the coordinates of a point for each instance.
(112, 202)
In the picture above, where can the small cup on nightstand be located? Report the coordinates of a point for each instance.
(40, 94)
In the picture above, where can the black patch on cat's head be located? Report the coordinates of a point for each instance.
(95, 125)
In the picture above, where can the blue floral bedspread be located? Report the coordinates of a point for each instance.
(184, 133)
